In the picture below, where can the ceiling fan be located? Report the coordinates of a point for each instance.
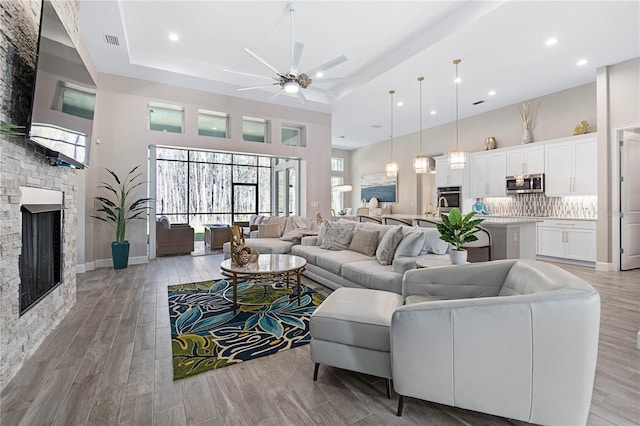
(292, 81)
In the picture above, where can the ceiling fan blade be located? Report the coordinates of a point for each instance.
(295, 58)
(275, 95)
(261, 60)
(318, 80)
(257, 87)
(250, 75)
(320, 89)
(301, 96)
(332, 63)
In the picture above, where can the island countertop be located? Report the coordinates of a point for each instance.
(487, 220)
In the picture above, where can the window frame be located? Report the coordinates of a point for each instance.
(256, 120)
(166, 108)
(216, 114)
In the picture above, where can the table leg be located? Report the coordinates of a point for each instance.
(298, 286)
(235, 291)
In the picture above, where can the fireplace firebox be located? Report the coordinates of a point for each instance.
(41, 257)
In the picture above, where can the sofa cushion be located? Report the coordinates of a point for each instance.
(332, 261)
(269, 231)
(433, 243)
(371, 274)
(411, 243)
(419, 299)
(308, 252)
(269, 245)
(387, 247)
(338, 235)
(280, 220)
(364, 241)
(382, 229)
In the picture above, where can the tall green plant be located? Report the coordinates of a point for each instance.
(121, 209)
(457, 229)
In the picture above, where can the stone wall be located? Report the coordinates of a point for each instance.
(24, 164)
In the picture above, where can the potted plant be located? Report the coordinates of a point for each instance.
(457, 230)
(120, 209)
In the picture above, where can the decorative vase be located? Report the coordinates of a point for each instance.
(457, 257)
(527, 136)
(490, 143)
(120, 254)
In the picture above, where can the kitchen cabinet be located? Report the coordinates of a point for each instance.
(487, 172)
(567, 239)
(525, 161)
(445, 176)
(571, 168)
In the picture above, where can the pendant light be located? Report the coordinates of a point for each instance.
(392, 167)
(421, 164)
(457, 158)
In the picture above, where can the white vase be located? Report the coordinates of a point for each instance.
(457, 257)
(527, 136)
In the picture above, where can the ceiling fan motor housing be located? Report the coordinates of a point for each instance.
(303, 80)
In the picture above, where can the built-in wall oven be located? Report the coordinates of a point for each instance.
(449, 197)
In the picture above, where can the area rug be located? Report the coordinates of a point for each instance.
(206, 334)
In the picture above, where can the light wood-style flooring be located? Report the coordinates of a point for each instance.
(109, 363)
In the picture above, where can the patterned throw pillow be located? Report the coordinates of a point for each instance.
(337, 236)
(388, 245)
(364, 242)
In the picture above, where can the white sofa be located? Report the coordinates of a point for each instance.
(513, 338)
(347, 268)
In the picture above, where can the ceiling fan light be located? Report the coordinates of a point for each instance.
(291, 87)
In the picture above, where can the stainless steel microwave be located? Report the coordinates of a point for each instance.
(525, 184)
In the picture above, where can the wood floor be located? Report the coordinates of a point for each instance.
(109, 363)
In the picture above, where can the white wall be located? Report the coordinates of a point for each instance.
(122, 127)
(558, 115)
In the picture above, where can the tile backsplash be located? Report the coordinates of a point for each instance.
(543, 206)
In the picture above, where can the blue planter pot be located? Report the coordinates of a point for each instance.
(120, 254)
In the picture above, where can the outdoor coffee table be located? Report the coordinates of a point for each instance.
(269, 267)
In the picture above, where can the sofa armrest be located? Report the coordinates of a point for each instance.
(309, 241)
(460, 281)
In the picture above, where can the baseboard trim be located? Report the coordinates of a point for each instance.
(108, 263)
(605, 266)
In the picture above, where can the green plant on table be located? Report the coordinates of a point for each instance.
(120, 209)
(11, 129)
(458, 230)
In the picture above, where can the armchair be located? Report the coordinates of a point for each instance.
(173, 238)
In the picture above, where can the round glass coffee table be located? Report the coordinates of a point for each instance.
(269, 267)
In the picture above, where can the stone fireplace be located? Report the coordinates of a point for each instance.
(23, 167)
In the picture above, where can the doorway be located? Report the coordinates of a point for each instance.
(629, 199)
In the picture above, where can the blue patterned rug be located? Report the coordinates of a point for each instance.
(206, 334)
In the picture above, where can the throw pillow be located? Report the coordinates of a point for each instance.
(252, 219)
(269, 230)
(364, 242)
(388, 245)
(411, 244)
(321, 233)
(433, 243)
(337, 236)
(280, 220)
(164, 221)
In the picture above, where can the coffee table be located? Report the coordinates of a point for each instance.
(269, 267)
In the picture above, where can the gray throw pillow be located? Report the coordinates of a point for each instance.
(388, 245)
(269, 230)
(433, 243)
(364, 242)
(411, 244)
(337, 236)
(321, 233)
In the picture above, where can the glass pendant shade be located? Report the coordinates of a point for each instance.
(391, 168)
(347, 187)
(421, 164)
(457, 159)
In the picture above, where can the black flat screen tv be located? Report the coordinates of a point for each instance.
(63, 96)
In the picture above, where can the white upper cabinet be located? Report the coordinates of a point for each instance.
(571, 168)
(445, 176)
(525, 161)
(487, 172)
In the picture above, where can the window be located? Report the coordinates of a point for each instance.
(293, 135)
(337, 164)
(74, 100)
(337, 197)
(212, 123)
(165, 117)
(254, 129)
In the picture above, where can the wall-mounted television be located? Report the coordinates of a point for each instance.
(63, 97)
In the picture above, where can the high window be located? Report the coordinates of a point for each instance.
(255, 129)
(293, 135)
(337, 164)
(166, 117)
(213, 123)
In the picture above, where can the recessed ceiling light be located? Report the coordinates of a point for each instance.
(582, 62)
(551, 41)
(492, 92)
(173, 37)
(457, 80)
(400, 103)
(319, 74)
(433, 112)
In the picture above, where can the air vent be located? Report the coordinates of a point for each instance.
(376, 126)
(477, 103)
(112, 40)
